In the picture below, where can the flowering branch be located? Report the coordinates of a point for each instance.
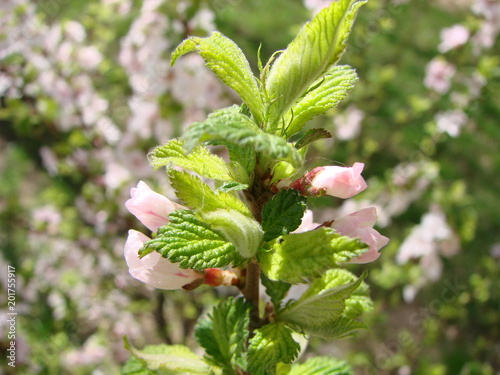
(216, 238)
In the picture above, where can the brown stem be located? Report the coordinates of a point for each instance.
(257, 195)
(251, 293)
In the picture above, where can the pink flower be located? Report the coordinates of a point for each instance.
(340, 182)
(153, 269)
(151, 208)
(453, 37)
(360, 225)
(438, 75)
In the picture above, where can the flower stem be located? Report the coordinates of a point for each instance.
(251, 293)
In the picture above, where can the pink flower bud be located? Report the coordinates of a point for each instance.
(217, 277)
(360, 225)
(340, 182)
(151, 208)
(153, 269)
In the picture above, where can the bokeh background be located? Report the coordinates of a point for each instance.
(86, 90)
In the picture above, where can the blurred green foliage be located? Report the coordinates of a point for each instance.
(453, 324)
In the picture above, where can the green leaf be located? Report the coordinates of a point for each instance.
(224, 333)
(228, 62)
(295, 257)
(271, 344)
(311, 136)
(192, 243)
(317, 366)
(276, 290)
(318, 307)
(328, 91)
(283, 213)
(243, 157)
(168, 359)
(326, 309)
(356, 304)
(199, 160)
(232, 186)
(318, 46)
(243, 232)
(340, 328)
(229, 125)
(194, 193)
(134, 366)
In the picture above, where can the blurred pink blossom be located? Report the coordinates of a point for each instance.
(75, 31)
(315, 6)
(153, 269)
(451, 121)
(89, 57)
(151, 208)
(453, 37)
(348, 123)
(438, 75)
(427, 241)
(360, 225)
(340, 182)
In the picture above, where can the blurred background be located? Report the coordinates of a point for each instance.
(86, 90)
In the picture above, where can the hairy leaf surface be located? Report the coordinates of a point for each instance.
(195, 193)
(229, 63)
(317, 366)
(296, 257)
(223, 334)
(192, 243)
(318, 46)
(200, 160)
(271, 344)
(330, 89)
(229, 125)
(283, 213)
(168, 359)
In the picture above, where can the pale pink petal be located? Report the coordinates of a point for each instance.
(307, 223)
(359, 225)
(153, 269)
(340, 182)
(151, 208)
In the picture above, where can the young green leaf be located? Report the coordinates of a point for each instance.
(242, 158)
(192, 243)
(243, 232)
(228, 62)
(327, 93)
(326, 309)
(232, 186)
(340, 328)
(167, 359)
(318, 307)
(199, 160)
(356, 304)
(276, 290)
(311, 136)
(271, 344)
(194, 193)
(229, 125)
(295, 257)
(283, 213)
(317, 366)
(134, 366)
(318, 46)
(223, 334)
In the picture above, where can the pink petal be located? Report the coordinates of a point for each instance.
(151, 208)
